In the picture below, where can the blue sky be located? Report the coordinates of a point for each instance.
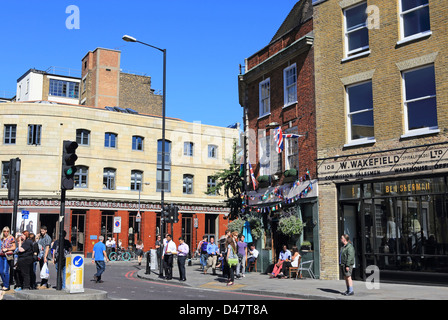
(206, 40)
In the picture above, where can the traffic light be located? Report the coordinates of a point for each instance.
(171, 213)
(176, 214)
(13, 177)
(69, 158)
(165, 214)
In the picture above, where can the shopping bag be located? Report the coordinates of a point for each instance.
(44, 272)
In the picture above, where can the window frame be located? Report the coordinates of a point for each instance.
(419, 131)
(188, 149)
(263, 99)
(34, 134)
(110, 175)
(10, 134)
(358, 51)
(188, 185)
(167, 175)
(136, 180)
(81, 134)
(107, 140)
(136, 144)
(414, 36)
(289, 145)
(212, 151)
(286, 87)
(349, 114)
(62, 88)
(211, 183)
(81, 172)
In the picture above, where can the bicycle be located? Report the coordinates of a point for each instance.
(121, 255)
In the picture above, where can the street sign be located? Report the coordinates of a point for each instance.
(74, 273)
(25, 214)
(117, 225)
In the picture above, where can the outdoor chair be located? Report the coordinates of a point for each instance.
(308, 267)
(295, 270)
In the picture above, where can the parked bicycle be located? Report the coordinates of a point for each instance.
(120, 255)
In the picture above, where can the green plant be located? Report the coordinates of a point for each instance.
(264, 178)
(256, 229)
(290, 173)
(305, 244)
(236, 225)
(290, 226)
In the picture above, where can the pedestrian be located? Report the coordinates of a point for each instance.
(212, 252)
(25, 261)
(159, 249)
(66, 251)
(139, 251)
(168, 255)
(223, 250)
(347, 261)
(231, 254)
(108, 246)
(35, 261)
(182, 253)
(99, 257)
(6, 257)
(44, 253)
(202, 249)
(242, 256)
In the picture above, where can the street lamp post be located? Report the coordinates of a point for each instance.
(162, 193)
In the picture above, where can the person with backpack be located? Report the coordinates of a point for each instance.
(67, 251)
(202, 248)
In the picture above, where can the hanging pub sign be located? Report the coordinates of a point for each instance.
(427, 159)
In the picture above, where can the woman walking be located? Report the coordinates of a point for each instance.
(6, 256)
(25, 260)
(231, 256)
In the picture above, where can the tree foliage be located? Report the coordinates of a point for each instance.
(230, 183)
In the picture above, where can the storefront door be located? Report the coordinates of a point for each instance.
(351, 225)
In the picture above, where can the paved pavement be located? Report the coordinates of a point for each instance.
(305, 288)
(258, 283)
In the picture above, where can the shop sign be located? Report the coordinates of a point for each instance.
(407, 161)
(103, 205)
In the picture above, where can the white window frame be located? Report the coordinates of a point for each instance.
(264, 152)
(419, 35)
(349, 114)
(289, 145)
(265, 100)
(359, 51)
(212, 151)
(188, 183)
(287, 87)
(421, 131)
(188, 149)
(81, 172)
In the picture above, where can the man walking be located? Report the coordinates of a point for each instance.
(347, 262)
(168, 252)
(182, 252)
(99, 257)
(212, 252)
(44, 244)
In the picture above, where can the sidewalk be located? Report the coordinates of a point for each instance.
(258, 283)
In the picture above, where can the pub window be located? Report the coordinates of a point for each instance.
(420, 103)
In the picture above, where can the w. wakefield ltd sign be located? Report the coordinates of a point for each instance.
(428, 159)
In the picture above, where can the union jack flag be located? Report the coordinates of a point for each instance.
(279, 138)
(252, 177)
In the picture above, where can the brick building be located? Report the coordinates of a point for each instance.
(277, 91)
(118, 167)
(381, 98)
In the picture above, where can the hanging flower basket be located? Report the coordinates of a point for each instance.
(290, 226)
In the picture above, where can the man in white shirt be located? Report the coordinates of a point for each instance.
(169, 250)
(253, 255)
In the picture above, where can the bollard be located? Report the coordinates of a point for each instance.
(148, 262)
(189, 260)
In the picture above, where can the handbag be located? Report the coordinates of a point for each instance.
(232, 261)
